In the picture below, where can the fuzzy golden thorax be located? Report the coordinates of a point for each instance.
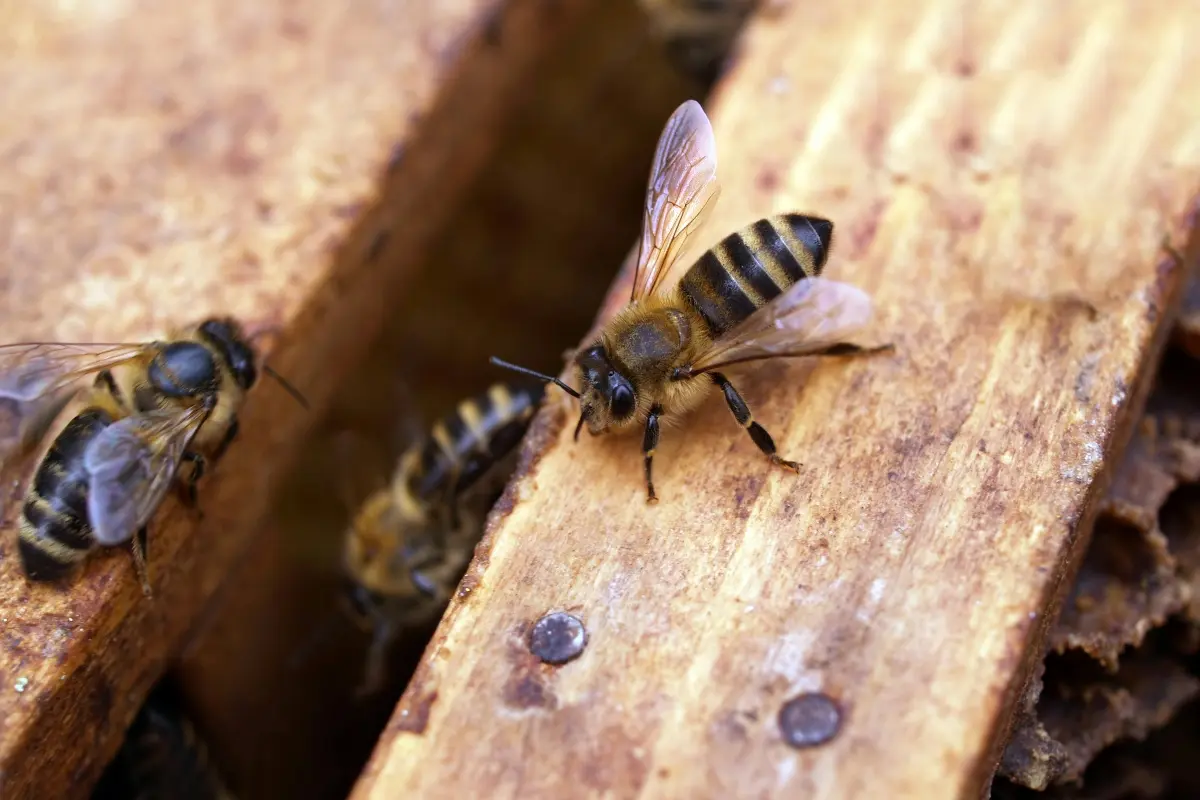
(631, 366)
(211, 363)
(372, 547)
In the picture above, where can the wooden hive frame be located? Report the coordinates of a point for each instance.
(520, 268)
(1010, 225)
(1006, 220)
(286, 163)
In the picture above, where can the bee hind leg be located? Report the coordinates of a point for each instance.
(448, 513)
(741, 412)
(649, 444)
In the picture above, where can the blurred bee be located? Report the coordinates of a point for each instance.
(410, 543)
(119, 443)
(162, 757)
(698, 34)
(754, 295)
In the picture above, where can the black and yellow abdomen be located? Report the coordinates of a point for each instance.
(751, 267)
(55, 533)
(470, 440)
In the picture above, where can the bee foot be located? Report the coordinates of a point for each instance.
(789, 465)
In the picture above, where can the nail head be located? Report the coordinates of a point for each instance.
(557, 638)
(809, 720)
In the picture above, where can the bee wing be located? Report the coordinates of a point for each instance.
(682, 191)
(32, 370)
(130, 465)
(813, 315)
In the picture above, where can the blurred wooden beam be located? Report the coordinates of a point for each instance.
(285, 162)
(1002, 179)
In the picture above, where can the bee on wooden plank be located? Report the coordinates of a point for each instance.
(163, 757)
(410, 543)
(756, 294)
(118, 444)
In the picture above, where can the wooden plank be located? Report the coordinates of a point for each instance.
(286, 163)
(1009, 223)
(533, 209)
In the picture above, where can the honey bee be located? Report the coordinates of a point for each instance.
(756, 294)
(120, 442)
(162, 756)
(410, 543)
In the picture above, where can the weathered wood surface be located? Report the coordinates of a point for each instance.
(283, 162)
(1002, 179)
(532, 209)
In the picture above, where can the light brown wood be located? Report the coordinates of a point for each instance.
(1002, 179)
(563, 187)
(286, 163)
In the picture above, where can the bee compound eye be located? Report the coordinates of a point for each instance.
(622, 401)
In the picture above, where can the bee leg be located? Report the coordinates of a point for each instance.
(375, 669)
(190, 496)
(105, 380)
(138, 545)
(649, 444)
(847, 349)
(741, 412)
(449, 511)
(231, 433)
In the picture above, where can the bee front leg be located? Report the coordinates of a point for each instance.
(741, 412)
(231, 433)
(190, 495)
(649, 443)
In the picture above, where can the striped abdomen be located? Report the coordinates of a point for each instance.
(55, 533)
(751, 267)
(464, 444)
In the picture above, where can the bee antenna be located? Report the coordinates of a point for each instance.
(540, 376)
(292, 390)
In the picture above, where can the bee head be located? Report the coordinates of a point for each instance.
(606, 397)
(378, 552)
(226, 337)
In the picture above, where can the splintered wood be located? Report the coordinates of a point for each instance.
(1002, 179)
(283, 162)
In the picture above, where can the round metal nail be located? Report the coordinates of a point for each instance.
(557, 638)
(809, 720)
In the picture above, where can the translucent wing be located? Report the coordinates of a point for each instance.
(682, 191)
(33, 369)
(131, 465)
(814, 315)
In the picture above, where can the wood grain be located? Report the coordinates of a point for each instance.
(1002, 179)
(581, 141)
(287, 163)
